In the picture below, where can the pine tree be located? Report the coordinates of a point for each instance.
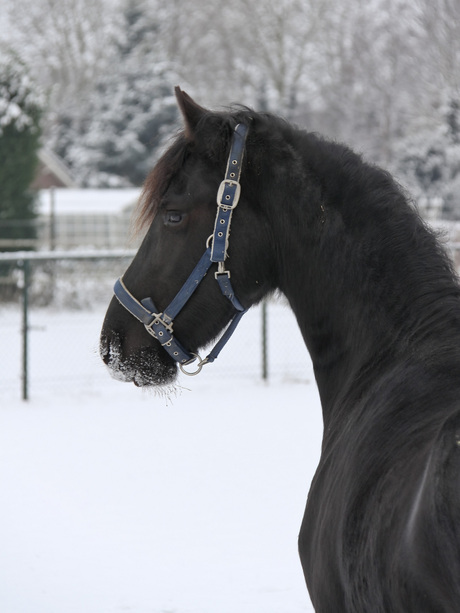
(133, 108)
(20, 111)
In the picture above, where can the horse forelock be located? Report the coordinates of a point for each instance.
(172, 161)
(157, 183)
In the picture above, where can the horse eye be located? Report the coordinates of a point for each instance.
(173, 217)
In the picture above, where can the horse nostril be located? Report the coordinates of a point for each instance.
(104, 348)
(109, 349)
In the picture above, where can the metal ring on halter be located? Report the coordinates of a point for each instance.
(199, 366)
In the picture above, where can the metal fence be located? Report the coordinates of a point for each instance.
(49, 327)
(52, 306)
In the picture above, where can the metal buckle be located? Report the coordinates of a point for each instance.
(220, 193)
(221, 271)
(158, 320)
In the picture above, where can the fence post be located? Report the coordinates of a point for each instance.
(25, 329)
(264, 341)
(52, 227)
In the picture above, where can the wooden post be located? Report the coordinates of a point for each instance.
(25, 329)
(264, 342)
(52, 220)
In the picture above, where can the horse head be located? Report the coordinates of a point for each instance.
(178, 208)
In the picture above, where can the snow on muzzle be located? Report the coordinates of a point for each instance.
(148, 366)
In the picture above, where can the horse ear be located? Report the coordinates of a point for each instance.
(191, 112)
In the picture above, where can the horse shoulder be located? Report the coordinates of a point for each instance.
(384, 506)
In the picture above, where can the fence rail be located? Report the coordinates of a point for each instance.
(43, 256)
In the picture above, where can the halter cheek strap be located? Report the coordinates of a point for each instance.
(228, 195)
(160, 325)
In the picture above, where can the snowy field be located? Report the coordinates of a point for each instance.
(115, 499)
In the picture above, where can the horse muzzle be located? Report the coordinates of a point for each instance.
(145, 367)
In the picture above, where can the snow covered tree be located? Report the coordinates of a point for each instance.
(132, 108)
(66, 44)
(429, 163)
(370, 72)
(20, 112)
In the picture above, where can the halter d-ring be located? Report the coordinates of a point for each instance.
(199, 366)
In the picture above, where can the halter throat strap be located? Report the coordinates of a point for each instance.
(160, 324)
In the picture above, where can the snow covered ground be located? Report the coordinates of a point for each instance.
(115, 499)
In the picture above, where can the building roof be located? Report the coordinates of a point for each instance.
(87, 201)
(52, 171)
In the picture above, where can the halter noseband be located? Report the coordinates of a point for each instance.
(160, 325)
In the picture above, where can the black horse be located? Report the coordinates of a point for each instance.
(378, 305)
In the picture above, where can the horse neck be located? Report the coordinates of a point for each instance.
(365, 278)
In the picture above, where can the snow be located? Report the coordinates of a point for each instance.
(117, 499)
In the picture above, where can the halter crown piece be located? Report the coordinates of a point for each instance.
(160, 325)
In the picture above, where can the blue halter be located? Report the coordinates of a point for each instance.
(160, 325)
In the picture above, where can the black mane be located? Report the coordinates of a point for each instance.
(386, 237)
